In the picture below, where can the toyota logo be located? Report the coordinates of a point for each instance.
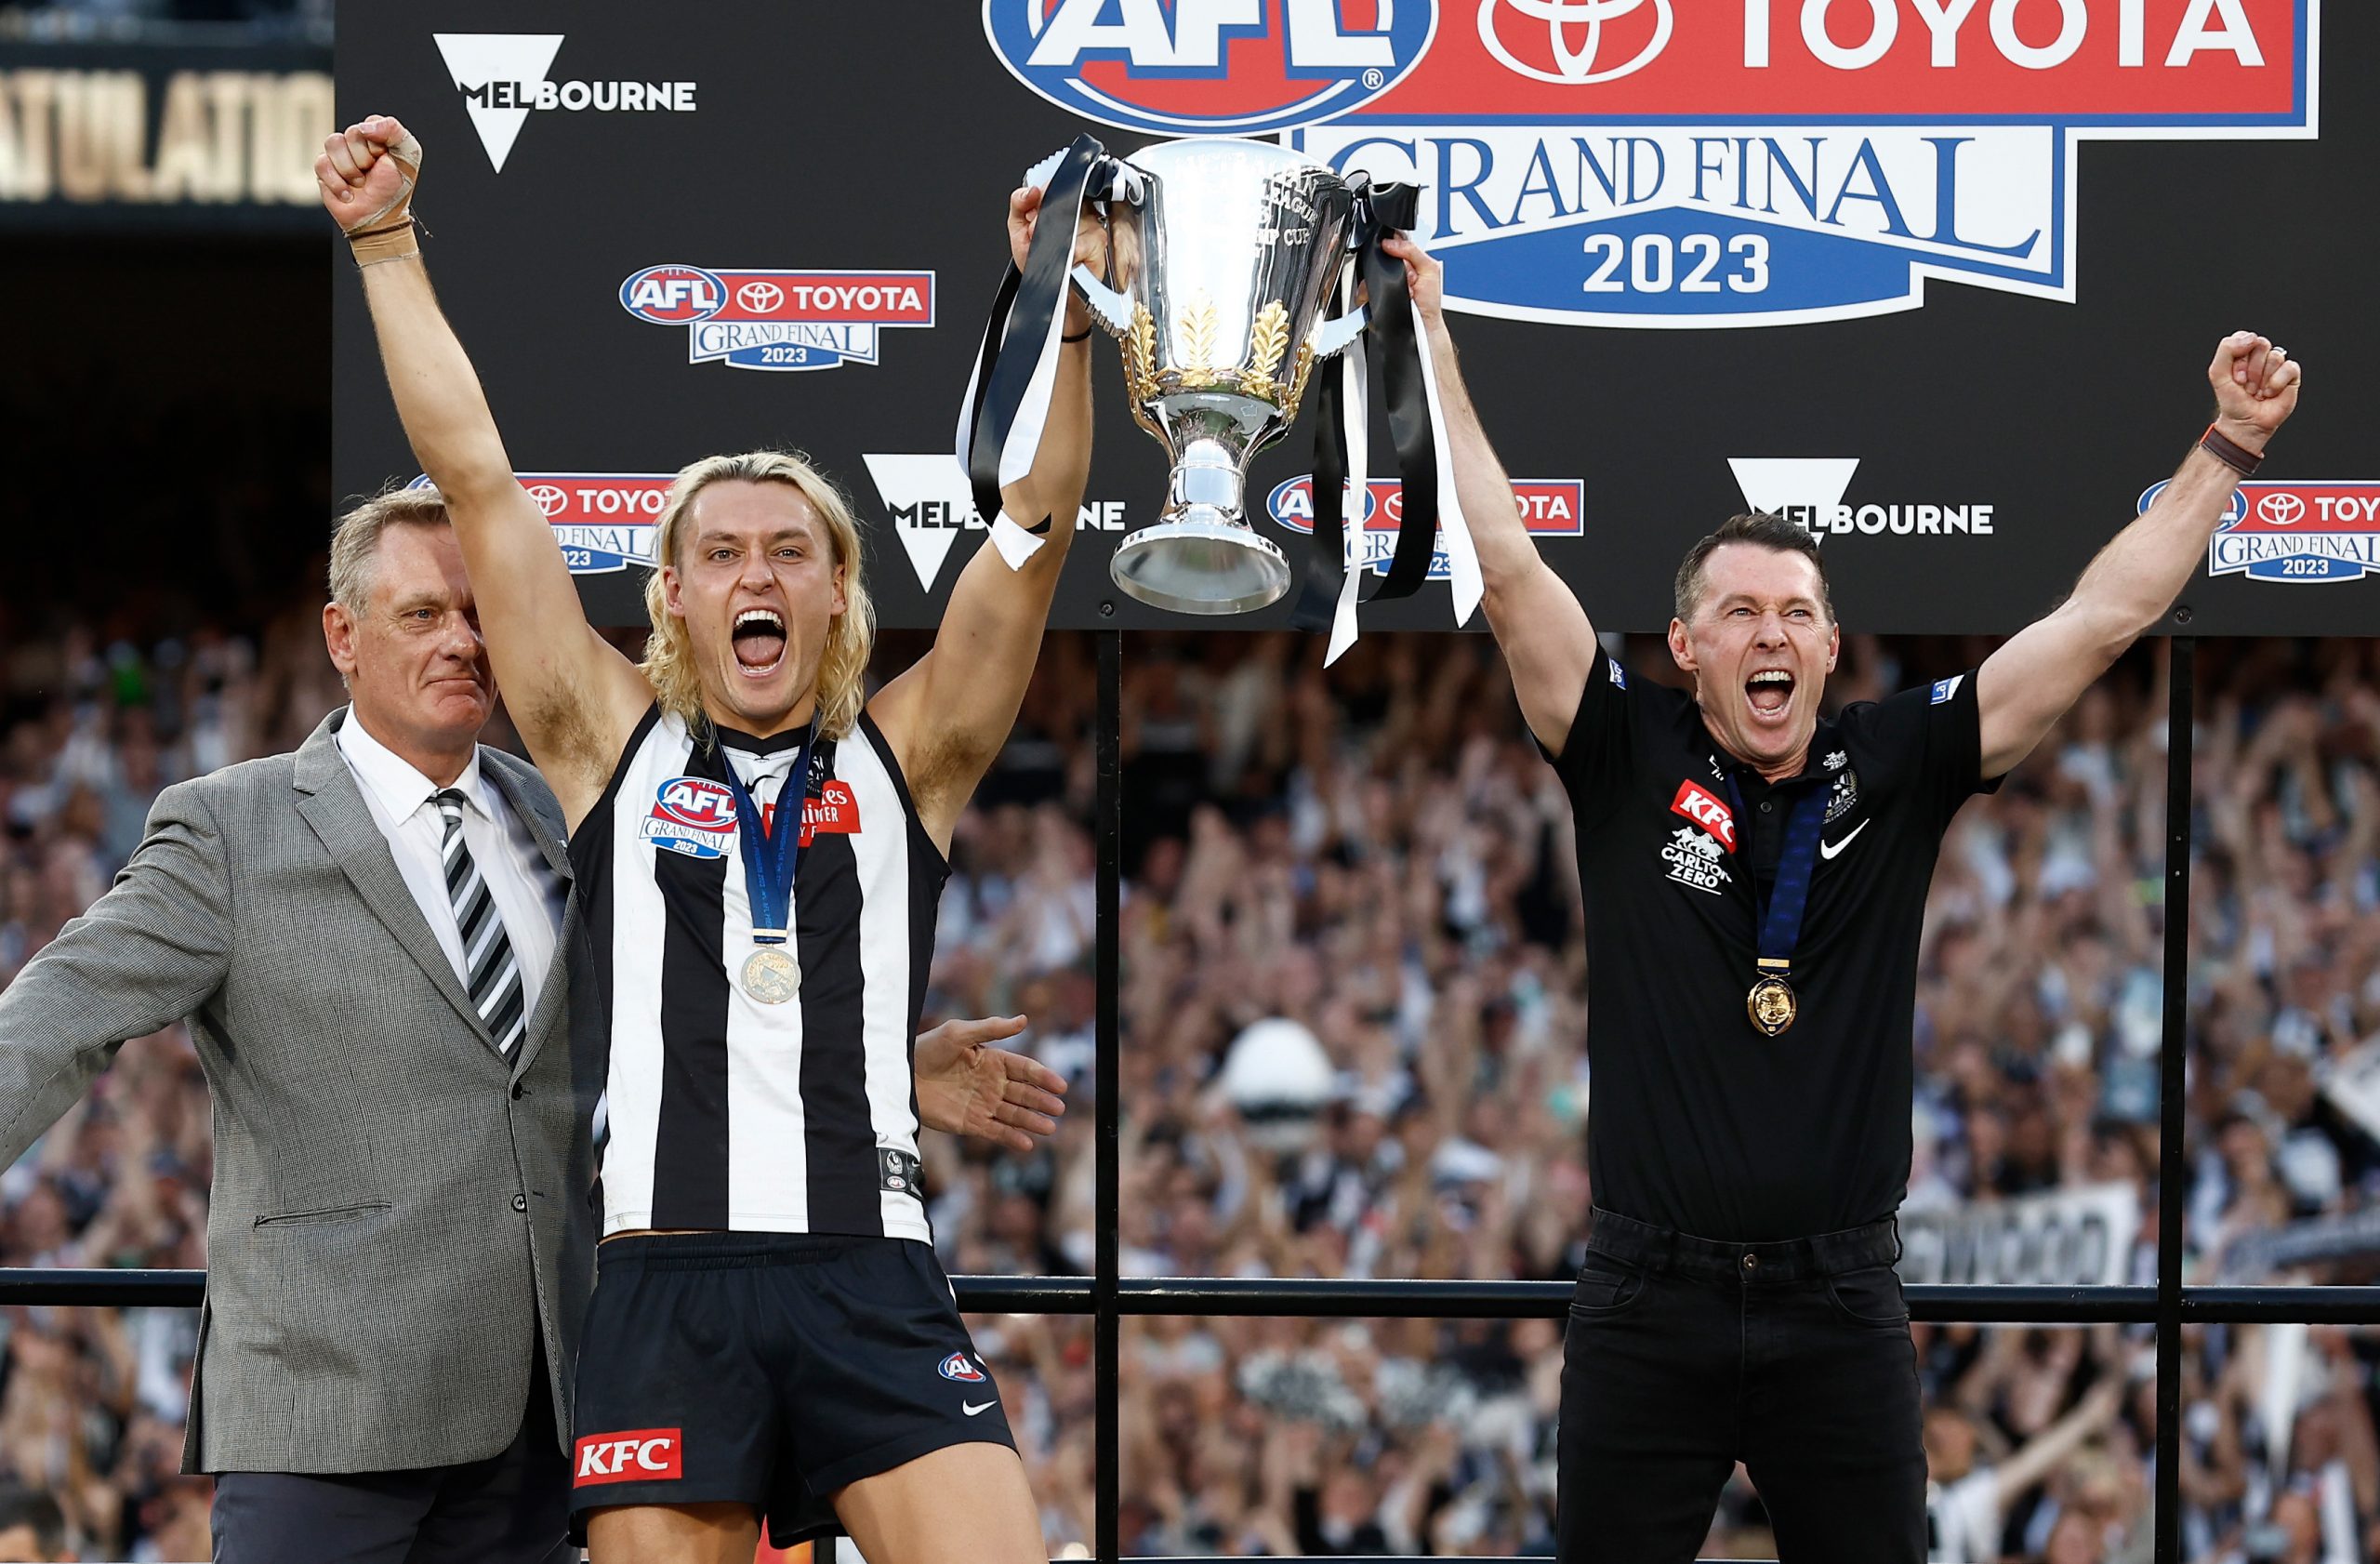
(2281, 509)
(1575, 66)
(760, 298)
(550, 499)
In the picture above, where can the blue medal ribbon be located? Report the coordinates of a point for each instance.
(772, 858)
(1780, 920)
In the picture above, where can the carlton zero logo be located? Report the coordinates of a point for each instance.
(504, 77)
(1730, 163)
(2296, 532)
(779, 320)
(640, 1455)
(1549, 507)
(1236, 67)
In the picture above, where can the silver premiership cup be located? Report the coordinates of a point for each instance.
(1222, 267)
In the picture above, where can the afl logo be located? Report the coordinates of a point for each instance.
(1234, 67)
(673, 295)
(957, 1367)
(692, 815)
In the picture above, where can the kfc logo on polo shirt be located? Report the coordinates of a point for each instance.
(639, 1456)
(1700, 805)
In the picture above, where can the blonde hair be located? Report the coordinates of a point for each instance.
(850, 635)
(356, 539)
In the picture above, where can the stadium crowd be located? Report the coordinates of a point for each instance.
(1354, 1046)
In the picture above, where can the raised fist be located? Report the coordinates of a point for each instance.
(2256, 388)
(367, 173)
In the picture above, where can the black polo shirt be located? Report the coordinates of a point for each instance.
(1696, 1120)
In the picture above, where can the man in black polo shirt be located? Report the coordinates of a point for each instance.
(1755, 879)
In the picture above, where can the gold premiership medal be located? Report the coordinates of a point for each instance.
(771, 976)
(1772, 1005)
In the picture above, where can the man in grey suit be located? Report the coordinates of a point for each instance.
(363, 937)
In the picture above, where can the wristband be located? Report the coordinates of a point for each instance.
(2229, 451)
(1082, 336)
(395, 242)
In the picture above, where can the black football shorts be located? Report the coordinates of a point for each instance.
(768, 1368)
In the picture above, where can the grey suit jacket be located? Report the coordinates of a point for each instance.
(397, 1214)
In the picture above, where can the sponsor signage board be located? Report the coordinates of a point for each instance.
(1938, 280)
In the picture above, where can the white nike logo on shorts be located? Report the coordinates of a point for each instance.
(971, 1408)
(1829, 849)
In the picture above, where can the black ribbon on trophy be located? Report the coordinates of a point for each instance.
(1222, 257)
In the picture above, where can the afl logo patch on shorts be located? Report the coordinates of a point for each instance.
(957, 1367)
(693, 815)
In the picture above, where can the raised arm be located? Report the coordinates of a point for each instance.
(1538, 619)
(948, 715)
(2027, 685)
(573, 697)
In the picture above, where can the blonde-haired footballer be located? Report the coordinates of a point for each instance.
(759, 852)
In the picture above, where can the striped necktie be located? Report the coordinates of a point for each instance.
(493, 974)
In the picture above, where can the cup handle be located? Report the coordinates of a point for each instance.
(1114, 311)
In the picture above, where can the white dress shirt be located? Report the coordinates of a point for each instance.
(528, 895)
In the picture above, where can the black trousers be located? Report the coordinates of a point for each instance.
(1684, 1356)
(511, 1508)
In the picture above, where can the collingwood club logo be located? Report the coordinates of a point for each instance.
(504, 77)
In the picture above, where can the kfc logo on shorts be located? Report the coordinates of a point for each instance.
(693, 815)
(957, 1367)
(639, 1456)
(1700, 805)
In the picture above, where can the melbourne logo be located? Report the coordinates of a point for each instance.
(1549, 507)
(957, 1367)
(929, 502)
(604, 521)
(779, 320)
(1735, 162)
(505, 76)
(2296, 533)
(692, 815)
(1226, 67)
(1810, 490)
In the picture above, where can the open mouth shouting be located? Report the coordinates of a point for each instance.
(759, 641)
(1770, 692)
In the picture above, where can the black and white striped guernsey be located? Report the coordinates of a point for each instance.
(725, 1113)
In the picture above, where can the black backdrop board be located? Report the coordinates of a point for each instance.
(865, 141)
